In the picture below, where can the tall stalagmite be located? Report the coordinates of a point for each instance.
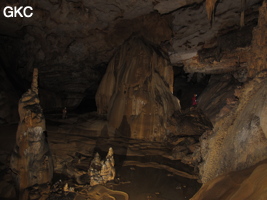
(31, 160)
(136, 91)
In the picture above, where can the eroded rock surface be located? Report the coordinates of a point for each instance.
(220, 96)
(137, 90)
(31, 160)
(245, 184)
(238, 139)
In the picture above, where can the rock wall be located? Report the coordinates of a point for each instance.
(246, 184)
(239, 139)
(31, 160)
(219, 97)
(137, 87)
(259, 44)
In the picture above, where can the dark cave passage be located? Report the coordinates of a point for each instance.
(186, 85)
(87, 104)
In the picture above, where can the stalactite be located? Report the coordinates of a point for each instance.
(210, 6)
(242, 15)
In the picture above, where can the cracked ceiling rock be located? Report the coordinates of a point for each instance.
(170, 5)
(229, 63)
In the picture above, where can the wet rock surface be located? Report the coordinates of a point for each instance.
(74, 146)
(244, 184)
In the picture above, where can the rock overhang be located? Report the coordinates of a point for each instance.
(67, 39)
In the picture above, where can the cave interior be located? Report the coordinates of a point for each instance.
(141, 100)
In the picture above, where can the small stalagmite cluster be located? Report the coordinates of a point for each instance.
(31, 160)
(103, 171)
(136, 91)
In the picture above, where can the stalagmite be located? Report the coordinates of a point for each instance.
(31, 160)
(103, 171)
(136, 91)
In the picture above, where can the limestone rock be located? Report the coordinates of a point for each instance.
(259, 44)
(245, 184)
(100, 192)
(31, 160)
(238, 139)
(136, 90)
(219, 97)
(71, 41)
(191, 122)
(103, 171)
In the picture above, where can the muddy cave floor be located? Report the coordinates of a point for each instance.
(144, 170)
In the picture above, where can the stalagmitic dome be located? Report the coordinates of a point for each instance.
(137, 90)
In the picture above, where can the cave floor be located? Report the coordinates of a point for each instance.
(144, 170)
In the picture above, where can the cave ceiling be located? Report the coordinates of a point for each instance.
(71, 41)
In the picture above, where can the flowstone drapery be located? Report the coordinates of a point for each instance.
(138, 87)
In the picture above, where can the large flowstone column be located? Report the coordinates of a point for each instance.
(137, 87)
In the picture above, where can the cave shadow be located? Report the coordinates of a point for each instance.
(119, 143)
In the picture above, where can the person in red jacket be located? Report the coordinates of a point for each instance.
(194, 100)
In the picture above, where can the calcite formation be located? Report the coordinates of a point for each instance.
(136, 91)
(103, 171)
(31, 160)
